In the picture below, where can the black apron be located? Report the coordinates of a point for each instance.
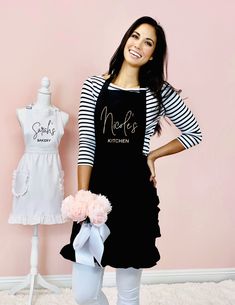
(121, 173)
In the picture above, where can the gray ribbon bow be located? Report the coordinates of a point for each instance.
(89, 243)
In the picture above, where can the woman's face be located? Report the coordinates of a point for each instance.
(140, 45)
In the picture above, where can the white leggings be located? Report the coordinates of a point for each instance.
(87, 284)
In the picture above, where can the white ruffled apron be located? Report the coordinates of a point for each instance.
(37, 185)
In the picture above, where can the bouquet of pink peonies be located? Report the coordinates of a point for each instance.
(92, 210)
(86, 204)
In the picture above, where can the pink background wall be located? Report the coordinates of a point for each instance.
(71, 40)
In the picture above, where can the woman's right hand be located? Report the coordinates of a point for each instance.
(150, 162)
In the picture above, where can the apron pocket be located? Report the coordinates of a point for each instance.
(20, 183)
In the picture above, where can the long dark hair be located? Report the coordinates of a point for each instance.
(154, 73)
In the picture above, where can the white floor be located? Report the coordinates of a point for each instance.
(207, 293)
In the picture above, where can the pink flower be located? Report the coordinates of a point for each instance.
(78, 212)
(83, 197)
(86, 204)
(73, 210)
(66, 207)
(98, 210)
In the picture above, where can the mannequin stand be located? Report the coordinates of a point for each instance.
(34, 277)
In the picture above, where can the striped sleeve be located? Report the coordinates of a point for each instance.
(182, 117)
(86, 125)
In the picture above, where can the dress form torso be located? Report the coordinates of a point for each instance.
(43, 101)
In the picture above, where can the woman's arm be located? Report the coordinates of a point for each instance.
(170, 148)
(182, 117)
(86, 135)
(83, 176)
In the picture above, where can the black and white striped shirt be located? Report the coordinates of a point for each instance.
(174, 108)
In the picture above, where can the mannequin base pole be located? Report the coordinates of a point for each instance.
(30, 281)
(34, 278)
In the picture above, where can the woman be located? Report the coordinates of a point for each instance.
(119, 113)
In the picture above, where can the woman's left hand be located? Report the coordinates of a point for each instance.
(150, 162)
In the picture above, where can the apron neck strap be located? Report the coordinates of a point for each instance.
(106, 83)
(104, 87)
